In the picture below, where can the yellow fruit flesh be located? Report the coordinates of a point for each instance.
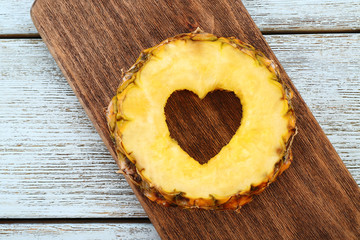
(203, 66)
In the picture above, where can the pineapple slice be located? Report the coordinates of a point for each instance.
(202, 63)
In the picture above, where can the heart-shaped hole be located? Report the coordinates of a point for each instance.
(202, 127)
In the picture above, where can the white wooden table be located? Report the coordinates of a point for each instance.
(57, 179)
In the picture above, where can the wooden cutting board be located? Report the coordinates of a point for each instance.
(92, 41)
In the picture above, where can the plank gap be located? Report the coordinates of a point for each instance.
(293, 32)
(20, 36)
(277, 32)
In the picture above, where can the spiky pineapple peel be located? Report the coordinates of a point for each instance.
(202, 63)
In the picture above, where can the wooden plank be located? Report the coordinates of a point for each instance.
(88, 231)
(324, 69)
(270, 15)
(89, 51)
(15, 17)
(32, 167)
(54, 164)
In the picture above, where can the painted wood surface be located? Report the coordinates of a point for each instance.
(37, 181)
(85, 231)
(57, 166)
(270, 15)
(89, 64)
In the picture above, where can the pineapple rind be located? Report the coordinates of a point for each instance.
(127, 162)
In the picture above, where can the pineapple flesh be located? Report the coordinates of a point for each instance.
(201, 63)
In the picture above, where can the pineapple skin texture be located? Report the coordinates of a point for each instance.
(127, 163)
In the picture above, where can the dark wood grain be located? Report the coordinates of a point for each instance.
(92, 40)
(202, 127)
